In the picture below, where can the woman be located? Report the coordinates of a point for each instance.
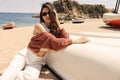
(47, 35)
(49, 25)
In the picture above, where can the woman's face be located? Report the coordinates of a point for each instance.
(46, 15)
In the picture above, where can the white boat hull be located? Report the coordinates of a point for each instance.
(110, 16)
(98, 59)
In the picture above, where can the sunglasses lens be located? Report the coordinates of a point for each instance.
(45, 13)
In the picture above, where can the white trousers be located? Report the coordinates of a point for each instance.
(24, 66)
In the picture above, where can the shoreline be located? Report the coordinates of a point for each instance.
(90, 25)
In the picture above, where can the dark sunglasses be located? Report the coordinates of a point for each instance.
(45, 13)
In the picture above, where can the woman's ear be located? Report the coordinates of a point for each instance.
(38, 29)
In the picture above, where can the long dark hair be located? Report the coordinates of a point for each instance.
(54, 26)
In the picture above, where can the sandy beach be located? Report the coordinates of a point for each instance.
(13, 40)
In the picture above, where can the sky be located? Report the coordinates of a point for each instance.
(34, 5)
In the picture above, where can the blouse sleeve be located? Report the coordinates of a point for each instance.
(47, 40)
(57, 43)
(63, 34)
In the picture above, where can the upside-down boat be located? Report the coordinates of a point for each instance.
(10, 25)
(98, 59)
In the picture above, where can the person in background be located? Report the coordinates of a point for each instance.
(47, 35)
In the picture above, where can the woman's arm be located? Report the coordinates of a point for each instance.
(64, 34)
(47, 40)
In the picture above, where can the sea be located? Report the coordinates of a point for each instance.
(20, 19)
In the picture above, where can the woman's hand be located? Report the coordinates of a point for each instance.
(80, 40)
